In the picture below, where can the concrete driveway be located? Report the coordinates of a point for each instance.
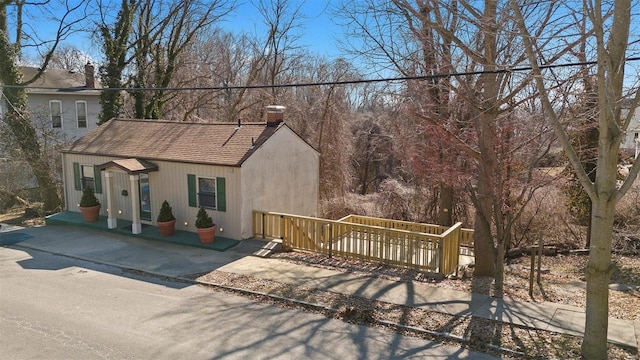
(151, 256)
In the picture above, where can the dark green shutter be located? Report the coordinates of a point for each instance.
(76, 176)
(97, 179)
(222, 197)
(191, 183)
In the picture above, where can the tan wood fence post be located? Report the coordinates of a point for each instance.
(540, 251)
(532, 269)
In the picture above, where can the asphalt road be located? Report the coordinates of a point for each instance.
(54, 307)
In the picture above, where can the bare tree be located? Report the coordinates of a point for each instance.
(282, 19)
(216, 59)
(116, 47)
(321, 114)
(17, 117)
(611, 39)
(69, 57)
(159, 34)
(477, 111)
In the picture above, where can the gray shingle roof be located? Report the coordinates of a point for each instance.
(56, 78)
(201, 143)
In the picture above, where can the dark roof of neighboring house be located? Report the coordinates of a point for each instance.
(58, 81)
(220, 143)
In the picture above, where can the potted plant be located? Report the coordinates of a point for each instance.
(166, 221)
(89, 205)
(205, 226)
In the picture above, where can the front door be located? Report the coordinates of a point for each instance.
(145, 198)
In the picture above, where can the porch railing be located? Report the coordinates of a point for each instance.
(423, 247)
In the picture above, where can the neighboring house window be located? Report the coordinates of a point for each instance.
(55, 109)
(87, 175)
(207, 192)
(81, 114)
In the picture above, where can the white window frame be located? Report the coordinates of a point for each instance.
(214, 193)
(59, 102)
(86, 120)
(83, 179)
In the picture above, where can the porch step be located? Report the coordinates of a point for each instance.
(268, 248)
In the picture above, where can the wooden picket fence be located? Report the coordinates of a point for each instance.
(423, 247)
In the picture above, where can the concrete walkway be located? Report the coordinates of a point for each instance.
(179, 261)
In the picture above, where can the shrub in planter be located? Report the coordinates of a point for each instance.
(205, 226)
(166, 221)
(89, 205)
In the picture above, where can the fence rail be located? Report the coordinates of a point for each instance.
(466, 235)
(423, 247)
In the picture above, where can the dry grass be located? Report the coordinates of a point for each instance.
(17, 217)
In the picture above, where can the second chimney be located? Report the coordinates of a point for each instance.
(89, 76)
(275, 114)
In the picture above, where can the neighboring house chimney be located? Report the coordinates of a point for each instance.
(89, 77)
(275, 115)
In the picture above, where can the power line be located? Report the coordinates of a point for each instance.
(325, 83)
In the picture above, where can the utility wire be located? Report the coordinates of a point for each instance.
(345, 82)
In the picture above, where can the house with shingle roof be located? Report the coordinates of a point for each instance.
(229, 169)
(63, 106)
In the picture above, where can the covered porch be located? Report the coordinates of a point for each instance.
(135, 169)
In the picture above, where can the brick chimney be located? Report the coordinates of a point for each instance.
(89, 76)
(275, 115)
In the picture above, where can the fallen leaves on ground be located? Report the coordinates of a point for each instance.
(563, 282)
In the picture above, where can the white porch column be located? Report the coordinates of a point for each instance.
(112, 221)
(136, 226)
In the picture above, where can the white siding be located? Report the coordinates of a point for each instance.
(39, 107)
(634, 128)
(283, 176)
(168, 183)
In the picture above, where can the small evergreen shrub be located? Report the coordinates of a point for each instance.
(89, 198)
(203, 220)
(166, 213)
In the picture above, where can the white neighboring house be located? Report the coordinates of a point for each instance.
(65, 102)
(229, 169)
(63, 106)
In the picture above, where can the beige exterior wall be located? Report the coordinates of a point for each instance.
(71, 196)
(283, 176)
(168, 183)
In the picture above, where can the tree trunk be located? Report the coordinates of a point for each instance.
(484, 244)
(445, 217)
(19, 122)
(29, 144)
(485, 252)
(499, 270)
(599, 269)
